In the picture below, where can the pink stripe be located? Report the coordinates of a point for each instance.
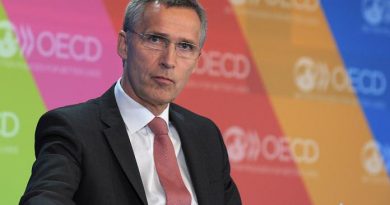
(70, 47)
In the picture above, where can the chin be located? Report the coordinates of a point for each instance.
(163, 97)
(164, 101)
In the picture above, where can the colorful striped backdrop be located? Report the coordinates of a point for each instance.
(299, 88)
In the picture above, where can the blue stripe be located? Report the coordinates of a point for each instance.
(361, 30)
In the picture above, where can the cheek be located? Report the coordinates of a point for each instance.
(185, 75)
(140, 64)
(140, 56)
(188, 72)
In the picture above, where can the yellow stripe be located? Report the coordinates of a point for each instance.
(280, 37)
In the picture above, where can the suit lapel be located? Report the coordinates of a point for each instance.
(195, 157)
(119, 142)
(118, 139)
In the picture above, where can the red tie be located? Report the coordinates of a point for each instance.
(166, 164)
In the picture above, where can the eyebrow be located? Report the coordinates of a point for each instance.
(167, 36)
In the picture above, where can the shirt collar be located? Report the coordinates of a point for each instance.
(135, 115)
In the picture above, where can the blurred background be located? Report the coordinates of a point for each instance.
(299, 89)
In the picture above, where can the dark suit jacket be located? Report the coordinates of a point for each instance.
(84, 156)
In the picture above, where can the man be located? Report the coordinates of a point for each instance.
(132, 145)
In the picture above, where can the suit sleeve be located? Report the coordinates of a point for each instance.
(231, 195)
(56, 171)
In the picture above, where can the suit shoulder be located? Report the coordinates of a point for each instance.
(69, 120)
(188, 114)
(76, 111)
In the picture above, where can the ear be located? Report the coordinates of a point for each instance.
(122, 45)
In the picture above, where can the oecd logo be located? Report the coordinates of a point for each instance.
(9, 125)
(306, 74)
(237, 2)
(376, 12)
(375, 158)
(224, 64)
(48, 44)
(246, 146)
(310, 6)
(241, 144)
(8, 42)
(312, 75)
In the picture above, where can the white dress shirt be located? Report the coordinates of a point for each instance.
(136, 118)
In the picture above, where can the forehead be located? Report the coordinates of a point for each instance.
(174, 22)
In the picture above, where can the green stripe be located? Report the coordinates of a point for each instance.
(20, 107)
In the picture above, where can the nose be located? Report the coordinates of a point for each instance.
(168, 57)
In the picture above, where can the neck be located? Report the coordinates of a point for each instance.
(155, 109)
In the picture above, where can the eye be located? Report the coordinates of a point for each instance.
(155, 39)
(185, 46)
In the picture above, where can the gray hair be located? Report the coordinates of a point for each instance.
(136, 8)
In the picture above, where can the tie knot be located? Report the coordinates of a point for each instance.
(158, 126)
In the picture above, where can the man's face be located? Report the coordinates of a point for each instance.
(151, 77)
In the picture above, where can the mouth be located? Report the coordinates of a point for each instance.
(163, 80)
